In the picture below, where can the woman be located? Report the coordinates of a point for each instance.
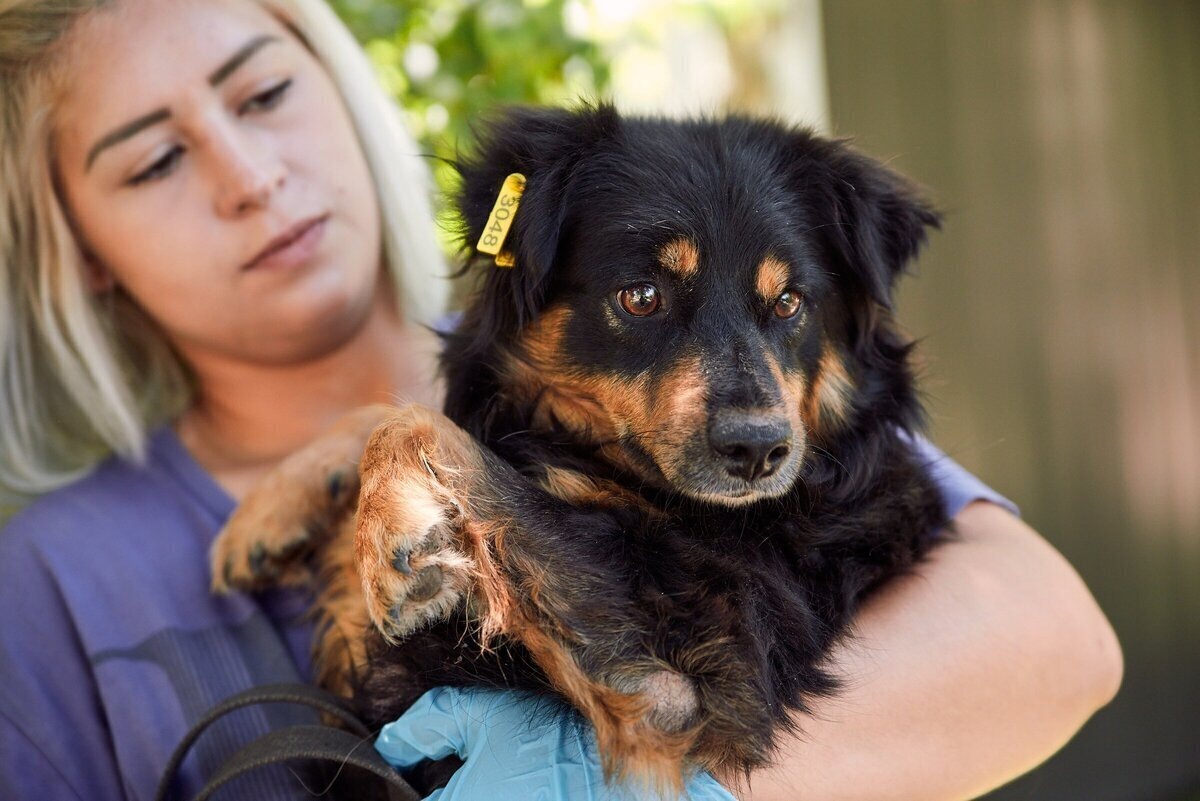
(213, 245)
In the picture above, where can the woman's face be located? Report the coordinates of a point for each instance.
(210, 168)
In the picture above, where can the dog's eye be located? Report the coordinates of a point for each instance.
(640, 300)
(787, 304)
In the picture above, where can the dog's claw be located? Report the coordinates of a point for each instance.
(400, 561)
(294, 548)
(257, 559)
(336, 484)
(267, 565)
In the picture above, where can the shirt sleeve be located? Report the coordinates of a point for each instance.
(957, 486)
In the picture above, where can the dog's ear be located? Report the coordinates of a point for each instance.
(880, 221)
(873, 222)
(546, 146)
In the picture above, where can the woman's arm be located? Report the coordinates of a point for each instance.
(961, 676)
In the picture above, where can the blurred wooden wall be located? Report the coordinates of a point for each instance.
(1061, 310)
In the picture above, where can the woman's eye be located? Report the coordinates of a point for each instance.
(640, 300)
(787, 304)
(265, 101)
(159, 169)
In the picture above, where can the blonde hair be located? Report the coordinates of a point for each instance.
(84, 375)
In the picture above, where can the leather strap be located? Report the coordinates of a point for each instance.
(294, 742)
(310, 742)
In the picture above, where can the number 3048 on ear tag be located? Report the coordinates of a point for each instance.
(491, 241)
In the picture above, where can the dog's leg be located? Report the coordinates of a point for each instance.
(294, 509)
(339, 652)
(300, 520)
(443, 522)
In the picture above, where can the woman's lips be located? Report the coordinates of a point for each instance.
(293, 248)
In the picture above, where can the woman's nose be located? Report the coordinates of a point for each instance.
(249, 174)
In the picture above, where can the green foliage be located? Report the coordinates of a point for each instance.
(448, 61)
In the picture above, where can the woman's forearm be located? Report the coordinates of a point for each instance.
(960, 677)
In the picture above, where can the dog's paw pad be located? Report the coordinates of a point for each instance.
(421, 587)
(406, 549)
(426, 584)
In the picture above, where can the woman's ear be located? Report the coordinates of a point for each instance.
(98, 278)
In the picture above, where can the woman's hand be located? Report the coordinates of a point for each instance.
(515, 747)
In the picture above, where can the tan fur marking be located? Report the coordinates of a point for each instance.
(540, 342)
(592, 407)
(829, 403)
(673, 415)
(771, 279)
(339, 648)
(681, 257)
(536, 375)
(578, 489)
(569, 485)
(793, 386)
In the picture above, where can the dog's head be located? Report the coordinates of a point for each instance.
(702, 301)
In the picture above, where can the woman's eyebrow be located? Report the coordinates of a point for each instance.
(237, 59)
(158, 115)
(124, 132)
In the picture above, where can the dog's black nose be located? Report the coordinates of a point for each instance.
(751, 445)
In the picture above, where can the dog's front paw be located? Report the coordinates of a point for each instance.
(295, 507)
(408, 543)
(266, 538)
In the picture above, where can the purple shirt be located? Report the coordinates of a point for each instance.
(111, 645)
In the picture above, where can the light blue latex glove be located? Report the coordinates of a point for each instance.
(514, 746)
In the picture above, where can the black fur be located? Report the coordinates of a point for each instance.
(744, 600)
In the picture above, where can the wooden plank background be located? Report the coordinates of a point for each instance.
(1060, 310)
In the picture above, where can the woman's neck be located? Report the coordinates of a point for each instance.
(247, 417)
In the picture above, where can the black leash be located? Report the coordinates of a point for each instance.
(351, 746)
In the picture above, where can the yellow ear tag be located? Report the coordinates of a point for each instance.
(500, 221)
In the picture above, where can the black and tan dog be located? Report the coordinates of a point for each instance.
(673, 454)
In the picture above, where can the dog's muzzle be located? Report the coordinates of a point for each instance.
(742, 456)
(750, 445)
